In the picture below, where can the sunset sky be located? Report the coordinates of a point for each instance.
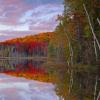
(25, 17)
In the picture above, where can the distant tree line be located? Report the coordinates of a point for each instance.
(29, 49)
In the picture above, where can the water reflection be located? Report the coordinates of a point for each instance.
(24, 68)
(83, 78)
(14, 88)
(14, 65)
(82, 84)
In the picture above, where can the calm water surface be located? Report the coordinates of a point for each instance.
(39, 80)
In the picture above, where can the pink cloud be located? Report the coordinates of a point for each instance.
(37, 16)
(12, 10)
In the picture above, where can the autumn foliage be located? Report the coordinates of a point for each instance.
(34, 45)
(30, 72)
(41, 37)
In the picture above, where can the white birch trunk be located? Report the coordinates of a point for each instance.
(95, 90)
(98, 97)
(94, 36)
(98, 21)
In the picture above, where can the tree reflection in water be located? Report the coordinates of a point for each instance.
(84, 78)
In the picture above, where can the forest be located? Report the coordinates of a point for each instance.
(36, 45)
(78, 35)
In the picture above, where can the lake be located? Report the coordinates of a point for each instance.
(42, 80)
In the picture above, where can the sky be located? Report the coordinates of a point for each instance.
(19, 18)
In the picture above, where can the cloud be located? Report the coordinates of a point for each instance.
(11, 11)
(3, 34)
(23, 16)
(14, 28)
(44, 19)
